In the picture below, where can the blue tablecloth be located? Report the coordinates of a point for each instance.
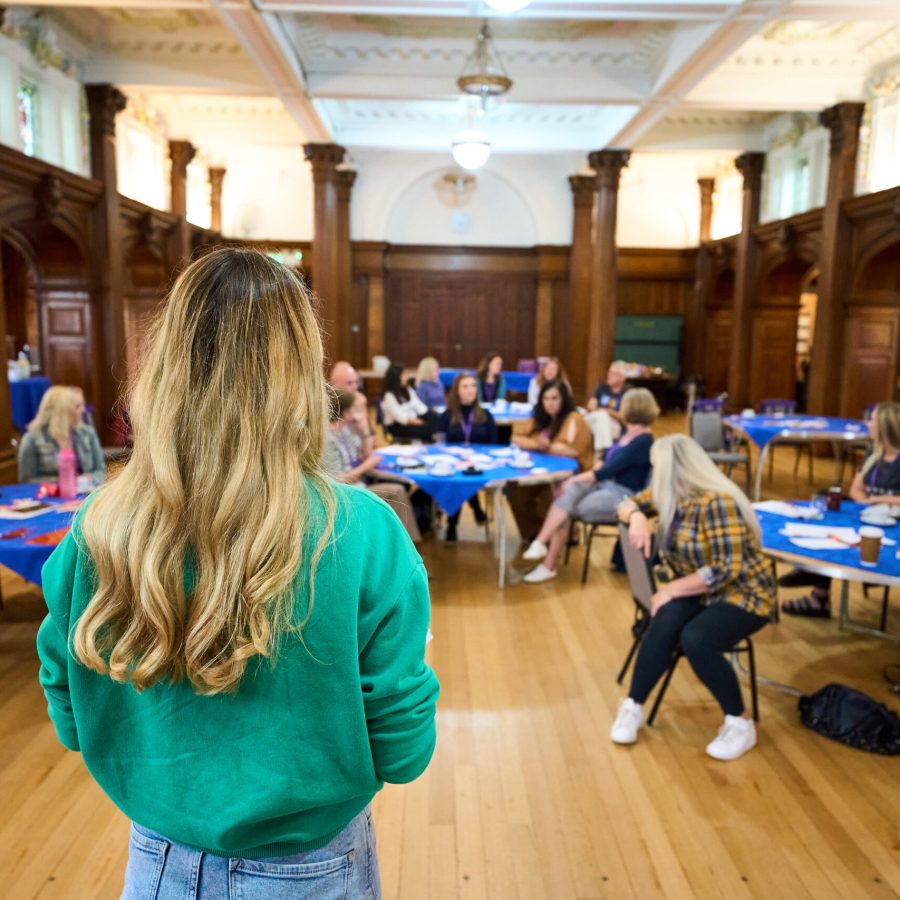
(888, 564)
(762, 429)
(450, 492)
(25, 398)
(17, 553)
(515, 381)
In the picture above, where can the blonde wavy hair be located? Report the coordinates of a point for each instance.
(57, 412)
(230, 415)
(682, 468)
(428, 370)
(887, 433)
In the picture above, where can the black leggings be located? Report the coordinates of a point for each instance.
(705, 633)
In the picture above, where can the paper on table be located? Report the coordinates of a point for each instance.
(520, 407)
(788, 510)
(796, 529)
(819, 544)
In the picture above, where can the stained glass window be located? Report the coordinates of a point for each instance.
(27, 124)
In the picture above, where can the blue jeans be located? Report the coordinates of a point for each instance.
(344, 869)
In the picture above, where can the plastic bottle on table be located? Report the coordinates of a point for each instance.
(68, 474)
(24, 364)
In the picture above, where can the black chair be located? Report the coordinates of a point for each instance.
(588, 531)
(643, 587)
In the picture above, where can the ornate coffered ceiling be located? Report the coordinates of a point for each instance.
(704, 74)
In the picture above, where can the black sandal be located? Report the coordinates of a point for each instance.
(809, 606)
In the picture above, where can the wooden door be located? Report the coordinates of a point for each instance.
(773, 355)
(718, 350)
(870, 367)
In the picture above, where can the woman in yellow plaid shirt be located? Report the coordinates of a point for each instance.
(721, 590)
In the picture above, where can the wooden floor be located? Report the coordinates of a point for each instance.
(526, 796)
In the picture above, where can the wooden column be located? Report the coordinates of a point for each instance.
(707, 187)
(581, 260)
(216, 177)
(324, 159)
(368, 260)
(825, 382)
(181, 153)
(104, 102)
(349, 324)
(746, 280)
(601, 331)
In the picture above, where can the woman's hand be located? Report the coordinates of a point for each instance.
(582, 478)
(639, 535)
(659, 600)
(415, 420)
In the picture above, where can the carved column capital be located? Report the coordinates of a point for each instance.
(843, 121)
(751, 165)
(48, 194)
(345, 180)
(583, 189)
(608, 165)
(216, 177)
(181, 153)
(324, 159)
(105, 102)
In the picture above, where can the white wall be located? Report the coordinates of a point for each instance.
(267, 193)
(60, 135)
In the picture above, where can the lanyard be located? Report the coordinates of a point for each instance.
(466, 426)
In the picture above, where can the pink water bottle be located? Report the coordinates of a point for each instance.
(68, 474)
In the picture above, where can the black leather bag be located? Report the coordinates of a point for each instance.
(852, 718)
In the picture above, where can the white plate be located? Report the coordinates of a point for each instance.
(502, 451)
(521, 465)
(405, 462)
(442, 473)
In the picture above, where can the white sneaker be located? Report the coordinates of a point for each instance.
(541, 573)
(629, 719)
(536, 551)
(735, 738)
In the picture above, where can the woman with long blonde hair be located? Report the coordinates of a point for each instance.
(720, 590)
(878, 481)
(59, 425)
(234, 641)
(428, 383)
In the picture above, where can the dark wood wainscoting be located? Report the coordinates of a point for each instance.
(773, 355)
(718, 349)
(458, 304)
(67, 336)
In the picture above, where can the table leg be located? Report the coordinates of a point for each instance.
(837, 450)
(845, 623)
(760, 466)
(845, 606)
(500, 516)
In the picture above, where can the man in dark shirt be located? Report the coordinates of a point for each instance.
(608, 396)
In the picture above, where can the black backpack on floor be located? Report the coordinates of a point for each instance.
(852, 718)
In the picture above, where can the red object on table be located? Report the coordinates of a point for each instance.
(47, 489)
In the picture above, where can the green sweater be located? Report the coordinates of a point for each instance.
(282, 765)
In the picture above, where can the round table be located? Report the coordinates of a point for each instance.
(840, 563)
(764, 431)
(25, 398)
(496, 472)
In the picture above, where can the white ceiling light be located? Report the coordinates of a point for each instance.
(507, 6)
(471, 149)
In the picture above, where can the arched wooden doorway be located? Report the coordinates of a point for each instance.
(719, 312)
(50, 299)
(20, 302)
(871, 364)
(773, 353)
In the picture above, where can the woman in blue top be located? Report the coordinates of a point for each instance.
(465, 421)
(491, 383)
(593, 496)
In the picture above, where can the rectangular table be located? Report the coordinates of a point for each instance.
(450, 492)
(842, 564)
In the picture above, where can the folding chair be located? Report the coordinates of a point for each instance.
(588, 531)
(643, 587)
(708, 430)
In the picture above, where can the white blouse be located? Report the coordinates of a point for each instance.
(395, 412)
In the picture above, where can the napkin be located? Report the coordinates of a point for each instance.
(788, 510)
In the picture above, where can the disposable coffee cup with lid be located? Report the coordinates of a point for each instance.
(869, 544)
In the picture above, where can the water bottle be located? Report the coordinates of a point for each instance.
(68, 474)
(24, 365)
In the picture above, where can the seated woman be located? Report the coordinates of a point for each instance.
(57, 426)
(878, 481)
(722, 590)
(594, 495)
(465, 421)
(350, 456)
(428, 383)
(405, 415)
(551, 370)
(491, 383)
(556, 427)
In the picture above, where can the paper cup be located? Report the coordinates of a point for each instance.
(869, 545)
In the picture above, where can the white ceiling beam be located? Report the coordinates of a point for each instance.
(693, 59)
(279, 65)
